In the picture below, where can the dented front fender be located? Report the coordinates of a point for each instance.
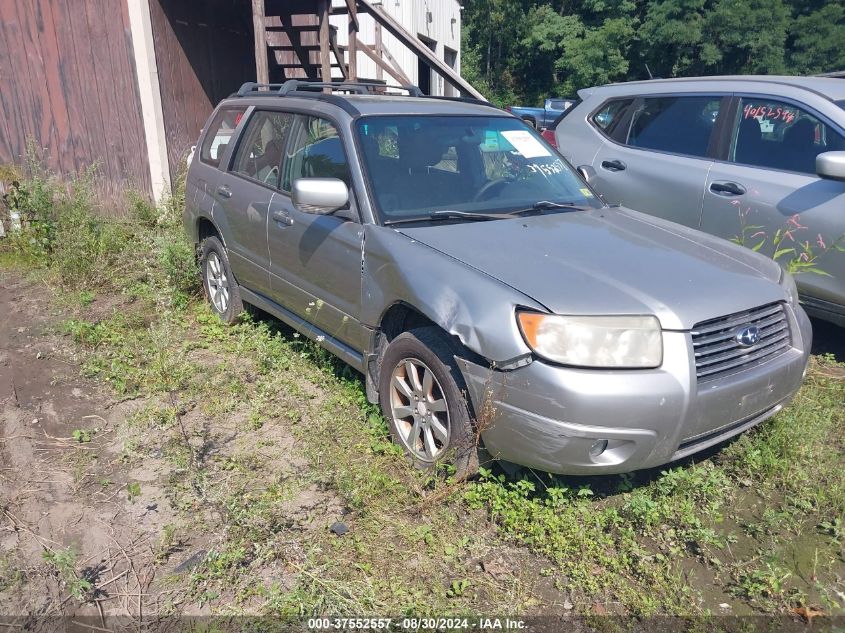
(465, 302)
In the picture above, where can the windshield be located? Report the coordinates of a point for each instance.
(418, 165)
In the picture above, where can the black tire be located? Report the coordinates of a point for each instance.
(214, 253)
(430, 347)
(531, 122)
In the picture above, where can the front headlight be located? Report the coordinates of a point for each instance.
(594, 341)
(788, 283)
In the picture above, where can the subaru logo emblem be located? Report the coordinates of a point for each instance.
(748, 335)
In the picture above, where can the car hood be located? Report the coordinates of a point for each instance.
(612, 261)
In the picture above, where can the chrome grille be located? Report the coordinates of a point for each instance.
(717, 351)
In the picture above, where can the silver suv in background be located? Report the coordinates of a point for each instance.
(444, 250)
(759, 160)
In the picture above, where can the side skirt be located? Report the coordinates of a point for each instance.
(341, 350)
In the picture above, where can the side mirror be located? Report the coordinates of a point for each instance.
(831, 165)
(320, 196)
(587, 173)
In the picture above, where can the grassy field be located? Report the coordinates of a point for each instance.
(265, 443)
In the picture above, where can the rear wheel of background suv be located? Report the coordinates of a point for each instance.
(220, 286)
(421, 394)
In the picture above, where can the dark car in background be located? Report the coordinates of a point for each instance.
(541, 118)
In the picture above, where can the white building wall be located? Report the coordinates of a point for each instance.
(436, 21)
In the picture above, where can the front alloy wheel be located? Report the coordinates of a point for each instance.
(419, 410)
(424, 399)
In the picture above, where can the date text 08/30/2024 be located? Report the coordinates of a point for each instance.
(416, 624)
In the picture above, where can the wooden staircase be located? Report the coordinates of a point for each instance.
(294, 40)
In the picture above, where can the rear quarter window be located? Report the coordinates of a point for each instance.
(610, 115)
(219, 134)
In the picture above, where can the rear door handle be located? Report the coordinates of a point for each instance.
(727, 188)
(613, 165)
(224, 192)
(282, 218)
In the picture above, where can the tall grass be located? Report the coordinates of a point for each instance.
(82, 246)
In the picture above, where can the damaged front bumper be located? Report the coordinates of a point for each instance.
(586, 421)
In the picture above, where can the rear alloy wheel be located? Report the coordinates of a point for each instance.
(422, 395)
(220, 285)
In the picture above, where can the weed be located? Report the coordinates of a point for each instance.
(167, 544)
(835, 528)
(10, 575)
(133, 491)
(64, 563)
(83, 436)
(141, 211)
(457, 588)
(767, 581)
(85, 298)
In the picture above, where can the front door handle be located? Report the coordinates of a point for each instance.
(282, 218)
(224, 192)
(613, 165)
(727, 188)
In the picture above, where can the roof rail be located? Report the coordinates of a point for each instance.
(358, 87)
(315, 89)
(251, 86)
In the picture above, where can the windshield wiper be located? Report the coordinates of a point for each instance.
(545, 205)
(448, 214)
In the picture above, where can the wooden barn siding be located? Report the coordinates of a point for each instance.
(204, 52)
(67, 80)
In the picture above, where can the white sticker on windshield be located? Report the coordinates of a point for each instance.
(526, 144)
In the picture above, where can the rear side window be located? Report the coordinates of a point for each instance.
(780, 135)
(681, 125)
(610, 116)
(315, 151)
(220, 132)
(260, 151)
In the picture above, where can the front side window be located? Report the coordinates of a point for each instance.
(259, 154)
(220, 132)
(681, 125)
(779, 135)
(421, 164)
(315, 151)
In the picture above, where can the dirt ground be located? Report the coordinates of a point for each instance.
(62, 492)
(92, 522)
(77, 516)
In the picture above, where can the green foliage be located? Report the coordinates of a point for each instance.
(63, 561)
(83, 436)
(133, 491)
(786, 246)
(520, 51)
(65, 232)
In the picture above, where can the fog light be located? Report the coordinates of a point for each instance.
(598, 448)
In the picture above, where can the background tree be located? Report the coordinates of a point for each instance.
(520, 51)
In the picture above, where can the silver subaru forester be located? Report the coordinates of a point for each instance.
(488, 296)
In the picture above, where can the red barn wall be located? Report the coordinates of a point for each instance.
(67, 80)
(204, 52)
